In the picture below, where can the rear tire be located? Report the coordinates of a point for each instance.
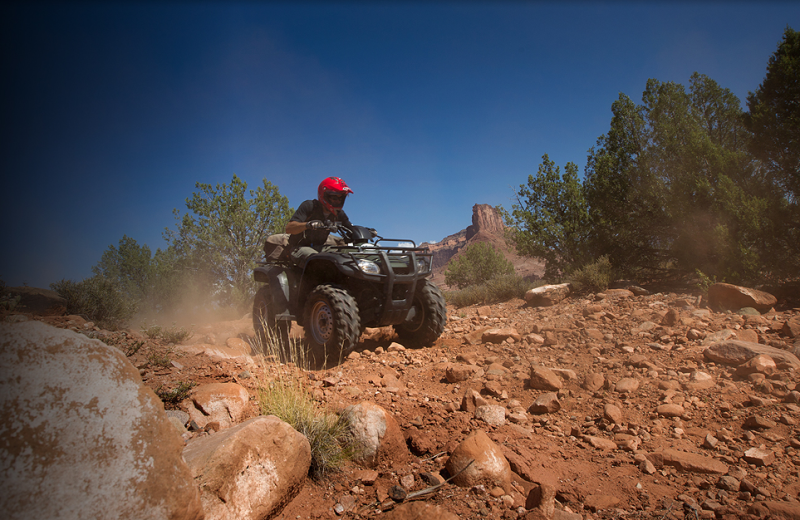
(272, 334)
(332, 325)
(430, 317)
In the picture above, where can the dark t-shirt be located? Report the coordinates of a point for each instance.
(313, 210)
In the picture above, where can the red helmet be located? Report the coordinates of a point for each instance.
(332, 192)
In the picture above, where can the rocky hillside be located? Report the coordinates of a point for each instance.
(487, 226)
(610, 405)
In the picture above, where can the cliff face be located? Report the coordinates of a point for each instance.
(487, 226)
(485, 219)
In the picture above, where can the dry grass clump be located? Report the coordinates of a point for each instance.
(281, 393)
(172, 334)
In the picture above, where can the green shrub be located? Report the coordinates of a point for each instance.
(499, 289)
(96, 299)
(176, 395)
(594, 277)
(478, 263)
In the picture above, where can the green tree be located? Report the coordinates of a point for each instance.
(671, 185)
(223, 234)
(130, 267)
(774, 115)
(550, 219)
(477, 264)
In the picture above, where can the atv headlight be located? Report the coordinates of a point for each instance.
(422, 265)
(368, 266)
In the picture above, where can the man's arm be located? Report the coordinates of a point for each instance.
(295, 228)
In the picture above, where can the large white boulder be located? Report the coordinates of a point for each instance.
(82, 436)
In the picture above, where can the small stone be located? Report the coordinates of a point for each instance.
(627, 385)
(759, 456)
(612, 413)
(491, 414)
(756, 422)
(545, 403)
(397, 493)
(670, 410)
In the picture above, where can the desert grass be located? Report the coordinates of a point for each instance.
(499, 289)
(281, 393)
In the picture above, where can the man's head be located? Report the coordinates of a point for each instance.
(332, 193)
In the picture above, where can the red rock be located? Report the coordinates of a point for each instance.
(472, 400)
(250, 471)
(759, 456)
(542, 378)
(594, 382)
(417, 510)
(612, 413)
(545, 403)
(489, 466)
(616, 293)
(691, 462)
(597, 502)
(223, 403)
(670, 410)
(735, 352)
(724, 296)
(627, 385)
(791, 327)
(542, 497)
(456, 372)
(500, 335)
(600, 443)
(778, 510)
(761, 364)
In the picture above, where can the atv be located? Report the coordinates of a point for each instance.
(357, 282)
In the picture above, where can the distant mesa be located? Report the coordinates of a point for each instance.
(487, 226)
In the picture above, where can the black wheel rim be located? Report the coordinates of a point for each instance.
(321, 322)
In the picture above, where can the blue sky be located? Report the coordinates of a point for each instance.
(111, 112)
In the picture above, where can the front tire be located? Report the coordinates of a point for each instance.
(332, 324)
(272, 334)
(429, 317)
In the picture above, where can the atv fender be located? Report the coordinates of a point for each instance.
(278, 281)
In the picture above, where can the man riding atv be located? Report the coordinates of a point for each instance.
(336, 288)
(306, 228)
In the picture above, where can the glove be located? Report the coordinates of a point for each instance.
(315, 224)
(373, 232)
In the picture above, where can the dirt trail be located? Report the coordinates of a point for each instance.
(619, 362)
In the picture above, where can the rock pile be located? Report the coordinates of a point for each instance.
(606, 406)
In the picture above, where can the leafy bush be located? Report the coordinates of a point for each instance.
(594, 277)
(96, 299)
(177, 394)
(704, 281)
(502, 288)
(478, 263)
